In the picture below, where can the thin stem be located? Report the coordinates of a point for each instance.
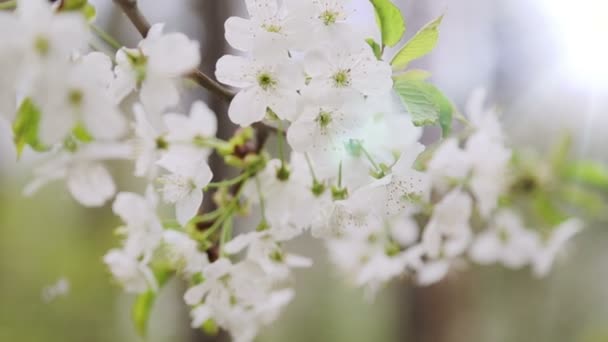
(262, 202)
(106, 37)
(130, 8)
(371, 160)
(340, 175)
(226, 234)
(280, 143)
(229, 182)
(310, 168)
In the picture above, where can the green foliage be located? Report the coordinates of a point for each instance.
(25, 127)
(588, 173)
(376, 48)
(426, 104)
(421, 44)
(390, 20)
(141, 311)
(413, 75)
(590, 202)
(82, 134)
(142, 308)
(83, 6)
(547, 210)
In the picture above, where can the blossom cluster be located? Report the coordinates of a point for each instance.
(351, 170)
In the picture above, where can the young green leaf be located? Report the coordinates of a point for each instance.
(25, 127)
(422, 43)
(547, 210)
(588, 173)
(376, 48)
(141, 311)
(142, 308)
(413, 75)
(390, 20)
(425, 103)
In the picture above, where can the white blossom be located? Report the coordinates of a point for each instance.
(88, 181)
(155, 67)
(183, 186)
(263, 85)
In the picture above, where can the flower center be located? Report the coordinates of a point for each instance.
(266, 81)
(324, 119)
(161, 144)
(503, 236)
(341, 78)
(329, 17)
(42, 45)
(75, 97)
(273, 28)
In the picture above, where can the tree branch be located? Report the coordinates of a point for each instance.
(131, 10)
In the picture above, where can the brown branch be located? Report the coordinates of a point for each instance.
(131, 10)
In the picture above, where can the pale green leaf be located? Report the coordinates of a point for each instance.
(141, 311)
(142, 308)
(413, 75)
(390, 20)
(425, 103)
(25, 127)
(587, 172)
(376, 48)
(422, 43)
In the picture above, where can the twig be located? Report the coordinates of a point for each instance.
(131, 10)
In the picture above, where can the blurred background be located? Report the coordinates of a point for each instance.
(544, 63)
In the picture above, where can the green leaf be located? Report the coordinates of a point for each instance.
(142, 308)
(390, 21)
(81, 133)
(580, 198)
(547, 210)
(426, 104)
(376, 48)
(25, 127)
(141, 311)
(588, 173)
(422, 43)
(413, 75)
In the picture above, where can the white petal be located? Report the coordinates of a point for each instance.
(239, 33)
(239, 243)
(104, 121)
(432, 273)
(300, 135)
(293, 260)
(195, 294)
(173, 55)
(203, 118)
(261, 9)
(247, 107)
(186, 208)
(90, 184)
(234, 71)
(485, 249)
(200, 315)
(158, 94)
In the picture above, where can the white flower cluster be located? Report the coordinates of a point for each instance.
(357, 176)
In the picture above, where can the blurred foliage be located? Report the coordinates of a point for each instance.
(49, 236)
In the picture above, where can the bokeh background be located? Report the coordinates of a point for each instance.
(544, 63)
